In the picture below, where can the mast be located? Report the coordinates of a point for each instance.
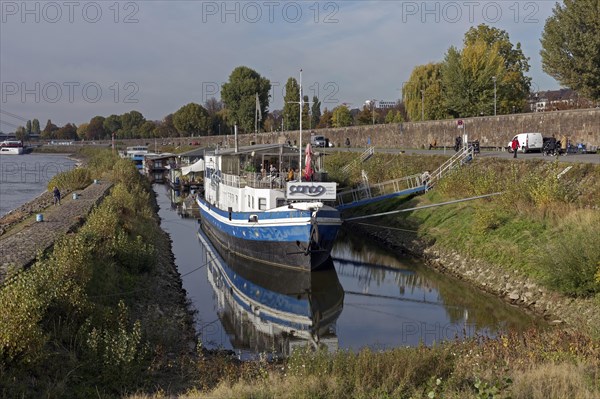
(300, 143)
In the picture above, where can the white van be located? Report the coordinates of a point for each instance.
(528, 142)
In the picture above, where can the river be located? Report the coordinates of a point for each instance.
(24, 177)
(383, 301)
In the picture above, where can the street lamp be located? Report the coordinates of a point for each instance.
(422, 106)
(373, 110)
(494, 79)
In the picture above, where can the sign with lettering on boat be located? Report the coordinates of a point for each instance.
(311, 191)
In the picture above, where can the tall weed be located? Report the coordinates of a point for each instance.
(570, 260)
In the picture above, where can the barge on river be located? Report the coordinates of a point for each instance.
(255, 208)
(11, 147)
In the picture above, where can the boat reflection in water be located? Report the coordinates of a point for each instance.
(273, 309)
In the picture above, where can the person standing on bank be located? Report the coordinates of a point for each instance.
(515, 146)
(56, 193)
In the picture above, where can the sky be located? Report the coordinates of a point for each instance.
(69, 61)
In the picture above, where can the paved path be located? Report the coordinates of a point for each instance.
(20, 249)
(576, 158)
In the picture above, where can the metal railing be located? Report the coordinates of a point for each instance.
(368, 153)
(256, 180)
(463, 156)
(379, 189)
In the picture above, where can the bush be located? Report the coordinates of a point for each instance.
(116, 348)
(570, 260)
(75, 179)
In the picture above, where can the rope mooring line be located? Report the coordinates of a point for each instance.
(422, 207)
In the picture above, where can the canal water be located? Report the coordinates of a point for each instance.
(373, 299)
(24, 177)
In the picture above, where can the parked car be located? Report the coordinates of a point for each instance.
(528, 142)
(320, 141)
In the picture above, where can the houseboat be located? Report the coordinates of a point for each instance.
(256, 208)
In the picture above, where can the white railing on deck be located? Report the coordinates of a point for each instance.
(256, 180)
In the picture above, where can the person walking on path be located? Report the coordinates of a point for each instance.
(56, 193)
(515, 146)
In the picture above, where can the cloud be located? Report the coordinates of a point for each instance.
(165, 54)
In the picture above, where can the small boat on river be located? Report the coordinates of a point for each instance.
(11, 147)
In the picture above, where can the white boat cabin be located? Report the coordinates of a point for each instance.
(252, 179)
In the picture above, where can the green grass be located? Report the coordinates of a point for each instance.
(544, 227)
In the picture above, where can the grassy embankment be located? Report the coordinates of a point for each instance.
(81, 340)
(96, 317)
(544, 226)
(514, 232)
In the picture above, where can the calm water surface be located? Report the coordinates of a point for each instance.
(384, 301)
(24, 177)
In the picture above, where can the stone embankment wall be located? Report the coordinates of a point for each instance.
(512, 287)
(491, 131)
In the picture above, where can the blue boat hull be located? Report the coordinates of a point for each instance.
(291, 239)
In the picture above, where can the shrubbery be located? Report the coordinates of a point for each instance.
(65, 314)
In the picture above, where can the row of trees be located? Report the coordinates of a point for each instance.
(485, 77)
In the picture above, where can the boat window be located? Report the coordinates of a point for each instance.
(280, 202)
(248, 201)
(262, 204)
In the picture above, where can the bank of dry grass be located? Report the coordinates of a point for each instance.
(552, 364)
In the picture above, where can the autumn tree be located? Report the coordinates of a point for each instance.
(306, 122)
(326, 119)
(239, 96)
(112, 124)
(513, 89)
(365, 116)
(341, 116)
(217, 121)
(35, 127)
(95, 129)
(468, 78)
(166, 128)
(82, 131)
(291, 106)
(130, 122)
(147, 129)
(315, 112)
(192, 119)
(48, 132)
(423, 93)
(28, 128)
(21, 133)
(67, 132)
(571, 46)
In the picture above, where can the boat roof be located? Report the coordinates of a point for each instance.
(262, 149)
(196, 152)
(160, 156)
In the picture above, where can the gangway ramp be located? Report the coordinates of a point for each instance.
(414, 184)
(379, 191)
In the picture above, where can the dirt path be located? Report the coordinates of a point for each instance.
(20, 249)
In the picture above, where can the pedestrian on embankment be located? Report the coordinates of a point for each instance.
(56, 193)
(515, 146)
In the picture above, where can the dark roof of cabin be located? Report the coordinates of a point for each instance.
(271, 149)
(196, 152)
